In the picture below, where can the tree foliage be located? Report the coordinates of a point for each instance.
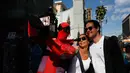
(100, 12)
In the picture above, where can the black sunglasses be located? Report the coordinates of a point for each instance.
(90, 28)
(67, 29)
(83, 38)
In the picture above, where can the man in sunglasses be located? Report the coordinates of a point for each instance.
(105, 51)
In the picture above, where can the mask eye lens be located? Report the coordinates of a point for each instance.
(67, 29)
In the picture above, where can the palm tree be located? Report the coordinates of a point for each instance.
(100, 14)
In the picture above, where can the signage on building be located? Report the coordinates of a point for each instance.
(45, 20)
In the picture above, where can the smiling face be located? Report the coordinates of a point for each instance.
(83, 41)
(91, 31)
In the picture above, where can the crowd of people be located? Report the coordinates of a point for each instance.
(126, 56)
(93, 53)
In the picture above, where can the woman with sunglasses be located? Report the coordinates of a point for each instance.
(81, 62)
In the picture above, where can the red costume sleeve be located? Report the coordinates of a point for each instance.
(31, 31)
(61, 49)
(53, 46)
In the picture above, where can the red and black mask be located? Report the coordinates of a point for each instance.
(64, 31)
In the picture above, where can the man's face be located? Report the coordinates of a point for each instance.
(91, 31)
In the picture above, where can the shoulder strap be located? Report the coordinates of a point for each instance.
(81, 63)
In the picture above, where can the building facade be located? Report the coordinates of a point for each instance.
(126, 27)
(74, 15)
(88, 13)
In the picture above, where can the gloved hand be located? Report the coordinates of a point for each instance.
(68, 51)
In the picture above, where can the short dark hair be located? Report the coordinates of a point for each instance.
(95, 23)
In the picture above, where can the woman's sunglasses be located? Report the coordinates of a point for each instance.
(83, 38)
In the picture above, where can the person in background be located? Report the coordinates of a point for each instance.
(82, 55)
(127, 57)
(105, 51)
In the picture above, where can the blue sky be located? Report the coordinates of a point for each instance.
(117, 10)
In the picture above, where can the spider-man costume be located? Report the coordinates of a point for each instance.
(60, 52)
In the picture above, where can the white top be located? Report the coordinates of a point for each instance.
(97, 54)
(75, 65)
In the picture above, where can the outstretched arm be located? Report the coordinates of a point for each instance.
(62, 50)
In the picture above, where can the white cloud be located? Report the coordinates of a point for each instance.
(122, 3)
(120, 15)
(115, 17)
(101, 2)
(109, 7)
(117, 10)
(116, 33)
(125, 10)
(124, 16)
(121, 10)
